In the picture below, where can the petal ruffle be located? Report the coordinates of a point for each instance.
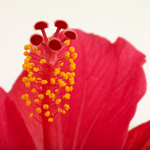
(13, 132)
(139, 138)
(109, 83)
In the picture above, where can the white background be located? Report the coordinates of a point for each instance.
(108, 18)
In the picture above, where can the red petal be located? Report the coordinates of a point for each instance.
(13, 132)
(109, 83)
(139, 138)
(34, 127)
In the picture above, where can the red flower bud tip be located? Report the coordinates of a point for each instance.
(69, 34)
(36, 39)
(55, 44)
(60, 24)
(41, 25)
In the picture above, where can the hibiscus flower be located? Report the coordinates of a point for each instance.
(109, 82)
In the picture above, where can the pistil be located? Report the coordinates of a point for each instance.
(47, 126)
(47, 77)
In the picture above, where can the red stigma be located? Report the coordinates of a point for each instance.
(61, 24)
(70, 34)
(55, 44)
(36, 39)
(41, 25)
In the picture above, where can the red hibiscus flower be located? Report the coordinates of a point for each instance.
(109, 82)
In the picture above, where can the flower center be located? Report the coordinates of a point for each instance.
(50, 74)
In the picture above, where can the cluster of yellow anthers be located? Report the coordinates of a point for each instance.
(50, 84)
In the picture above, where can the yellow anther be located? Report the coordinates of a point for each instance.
(27, 84)
(62, 74)
(72, 66)
(58, 101)
(43, 61)
(25, 97)
(28, 103)
(27, 59)
(28, 70)
(52, 80)
(25, 79)
(33, 90)
(61, 83)
(56, 90)
(67, 42)
(66, 107)
(45, 106)
(72, 74)
(25, 53)
(67, 89)
(35, 69)
(32, 79)
(59, 110)
(65, 76)
(72, 49)
(67, 54)
(56, 71)
(52, 95)
(38, 110)
(66, 96)
(41, 96)
(61, 64)
(36, 101)
(24, 66)
(68, 73)
(30, 74)
(48, 92)
(71, 88)
(30, 65)
(50, 119)
(63, 112)
(44, 81)
(71, 81)
(38, 79)
(30, 45)
(31, 115)
(26, 47)
(74, 56)
(47, 113)
(71, 61)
